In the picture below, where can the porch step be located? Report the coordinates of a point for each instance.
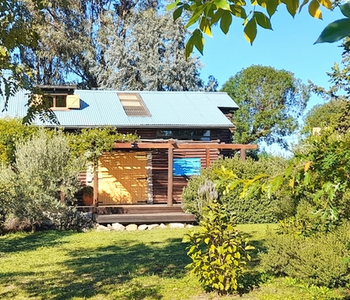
(145, 218)
(132, 209)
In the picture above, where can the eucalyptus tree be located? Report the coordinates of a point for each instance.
(149, 56)
(16, 33)
(270, 102)
(71, 33)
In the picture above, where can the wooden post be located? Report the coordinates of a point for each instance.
(207, 157)
(95, 200)
(243, 153)
(170, 175)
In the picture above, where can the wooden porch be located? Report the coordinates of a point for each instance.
(139, 214)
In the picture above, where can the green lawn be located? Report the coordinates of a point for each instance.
(120, 265)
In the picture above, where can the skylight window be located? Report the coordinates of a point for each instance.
(133, 105)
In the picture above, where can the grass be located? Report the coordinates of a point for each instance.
(120, 265)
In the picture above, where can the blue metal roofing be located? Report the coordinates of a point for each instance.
(168, 110)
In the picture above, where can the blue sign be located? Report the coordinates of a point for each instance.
(186, 166)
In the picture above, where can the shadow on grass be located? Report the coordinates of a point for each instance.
(29, 242)
(109, 271)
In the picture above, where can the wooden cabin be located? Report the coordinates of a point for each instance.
(180, 133)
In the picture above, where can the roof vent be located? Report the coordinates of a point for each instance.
(133, 105)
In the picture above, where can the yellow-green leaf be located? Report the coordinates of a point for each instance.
(250, 31)
(314, 9)
(172, 5)
(249, 248)
(238, 11)
(205, 27)
(223, 4)
(263, 3)
(326, 3)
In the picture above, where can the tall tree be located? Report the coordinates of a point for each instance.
(149, 56)
(16, 33)
(270, 102)
(71, 36)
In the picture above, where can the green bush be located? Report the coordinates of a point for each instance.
(218, 250)
(321, 259)
(44, 168)
(252, 208)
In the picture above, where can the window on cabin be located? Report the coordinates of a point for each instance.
(133, 105)
(57, 101)
(181, 134)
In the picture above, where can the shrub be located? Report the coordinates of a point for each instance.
(252, 208)
(320, 259)
(44, 168)
(217, 250)
(69, 218)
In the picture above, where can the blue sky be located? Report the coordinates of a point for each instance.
(289, 46)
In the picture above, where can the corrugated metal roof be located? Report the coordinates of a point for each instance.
(167, 109)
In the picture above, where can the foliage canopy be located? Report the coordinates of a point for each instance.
(206, 14)
(270, 102)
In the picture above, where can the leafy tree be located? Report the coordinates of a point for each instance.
(206, 14)
(16, 33)
(72, 35)
(150, 56)
(325, 115)
(12, 131)
(270, 102)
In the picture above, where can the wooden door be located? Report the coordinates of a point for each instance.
(122, 178)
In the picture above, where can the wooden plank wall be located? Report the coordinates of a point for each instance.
(160, 172)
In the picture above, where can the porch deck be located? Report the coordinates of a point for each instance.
(139, 214)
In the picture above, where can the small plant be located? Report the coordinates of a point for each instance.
(218, 250)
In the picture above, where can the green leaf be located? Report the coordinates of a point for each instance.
(223, 4)
(250, 31)
(271, 7)
(189, 48)
(262, 20)
(225, 22)
(177, 13)
(195, 16)
(198, 40)
(292, 6)
(217, 16)
(335, 31)
(345, 9)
